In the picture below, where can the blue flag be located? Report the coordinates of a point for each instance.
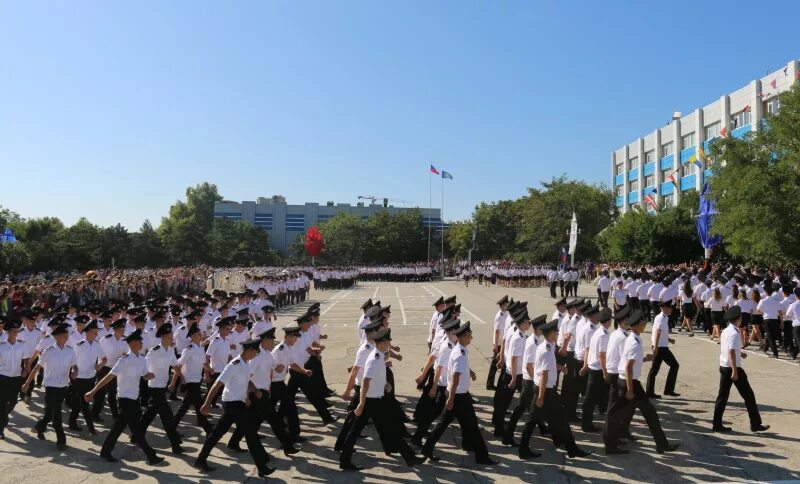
(447, 174)
(706, 213)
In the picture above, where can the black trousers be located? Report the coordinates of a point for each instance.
(529, 393)
(430, 410)
(561, 287)
(553, 289)
(502, 400)
(426, 386)
(303, 383)
(620, 414)
(213, 379)
(571, 386)
(511, 425)
(464, 411)
(236, 413)
(490, 377)
(53, 401)
(9, 391)
(604, 298)
(596, 396)
(664, 356)
(79, 388)
(773, 330)
(285, 406)
(159, 406)
(130, 415)
(552, 412)
(743, 387)
(796, 336)
(789, 344)
(100, 396)
(349, 418)
(192, 398)
(262, 409)
(375, 410)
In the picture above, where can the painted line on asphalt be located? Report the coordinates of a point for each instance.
(402, 309)
(375, 294)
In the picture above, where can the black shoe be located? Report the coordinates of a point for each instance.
(760, 428)
(330, 420)
(486, 462)
(416, 460)
(349, 466)
(61, 446)
(591, 429)
(579, 453)
(544, 430)
(672, 394)
(417, 441)
(510, 441)
(527, 453)
(721, 428)
(669, 448)
(630, 437)
(615, 450)
(290, 450)
(75, 427)
(297, 439)
(330, 393)
(491, 388)
(235, 448)
(203, 466)
(431, 457)
(2, 435)
(653, 396)
(155, 460)
(92, 431)
(108, 458)
(266, 470)
(39, 435)
(178, 450)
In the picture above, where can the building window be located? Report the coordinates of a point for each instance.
(667, 149)
(668, 200)
(649, 181)
(773, 105)
(620, 190)
(650, 156)
(634, 162)
(634, 185)
(687, 141)
(712, 130)
(620, 169)
(667, 173)
(689, 169)
(740, 119)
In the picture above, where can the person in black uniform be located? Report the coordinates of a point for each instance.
(160, 359)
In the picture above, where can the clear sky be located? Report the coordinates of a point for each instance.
(110, 109)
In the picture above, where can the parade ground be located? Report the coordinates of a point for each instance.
(703, 456)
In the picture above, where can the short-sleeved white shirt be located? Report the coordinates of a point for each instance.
(129, 371)
(661, 322)
(598, 344)
(236, 377)
(545, 360)
(730, 339)
(363, 353)
(459, 363)
(616, 343)
(192, 360)
(529, 357)
(375, 370)
(632, 351)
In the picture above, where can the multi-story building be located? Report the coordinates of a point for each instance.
(284, 223)
(654, 164)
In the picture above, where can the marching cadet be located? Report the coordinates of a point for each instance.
(220, 351)
(583, 335)
(29, 335)
(514, 354)
(438, 307)
(547, 405)
(357, 377)
(660, 341)
(631, 395)
(263, 323)
(552, 281)
(301, 380)
(114, 347)
(459, 402)
(89, 357)
(500, 321)
(261, 368)
(189, 368)
(283, 401)
(371, 406)
(434, 399)
(529, 390)
(732, 373)
(505, 394)
(160, 359)
(14, 357)
(235, 379)
(598, 377)
(364, 320)
(570, 387)
(57, 361)
(128, 371)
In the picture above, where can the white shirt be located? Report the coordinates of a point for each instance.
(769, 307)
(433, 325)
(129, 370)
(571, 329)
(516, 347)
(86, 355)
(192, 360)
(11, 356)
(442, 360)
(793, 313)
(375, 370)
(616, 342)
(584, 332)
(30, 338)
(261, 368)
(57, 363)
(529, 357)
(281, 355)
(730, 339)
(598, 344)
(545, 360)
(113, 349)
(236, 377)
(363, 353)
(631, 351)
(661, 321)
(219, 351)
(159, 360)
(499, 325)
(604, 283)
(459, 363)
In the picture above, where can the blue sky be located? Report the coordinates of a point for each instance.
(110, 110)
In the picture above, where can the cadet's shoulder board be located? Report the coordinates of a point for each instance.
(463, 352)
(190, 346)
(108, 335)
(280, 346)
(126, 355)
(367, 345)
(81, 342)
(3, 342)
(605, 331)
(156, 347)
(547, 346)
(450, 345)
(235, 361)
(377, 355)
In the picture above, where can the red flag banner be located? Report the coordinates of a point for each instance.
(774, 83)
(314, 242)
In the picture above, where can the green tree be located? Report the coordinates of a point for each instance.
(756, 186)
(146, 247)
(184, 232)
(459, 239)
(80, 246)
(42, 239)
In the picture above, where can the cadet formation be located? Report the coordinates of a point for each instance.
(120, 359)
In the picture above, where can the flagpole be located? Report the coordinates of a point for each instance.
(430, 210)
(441, 222)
